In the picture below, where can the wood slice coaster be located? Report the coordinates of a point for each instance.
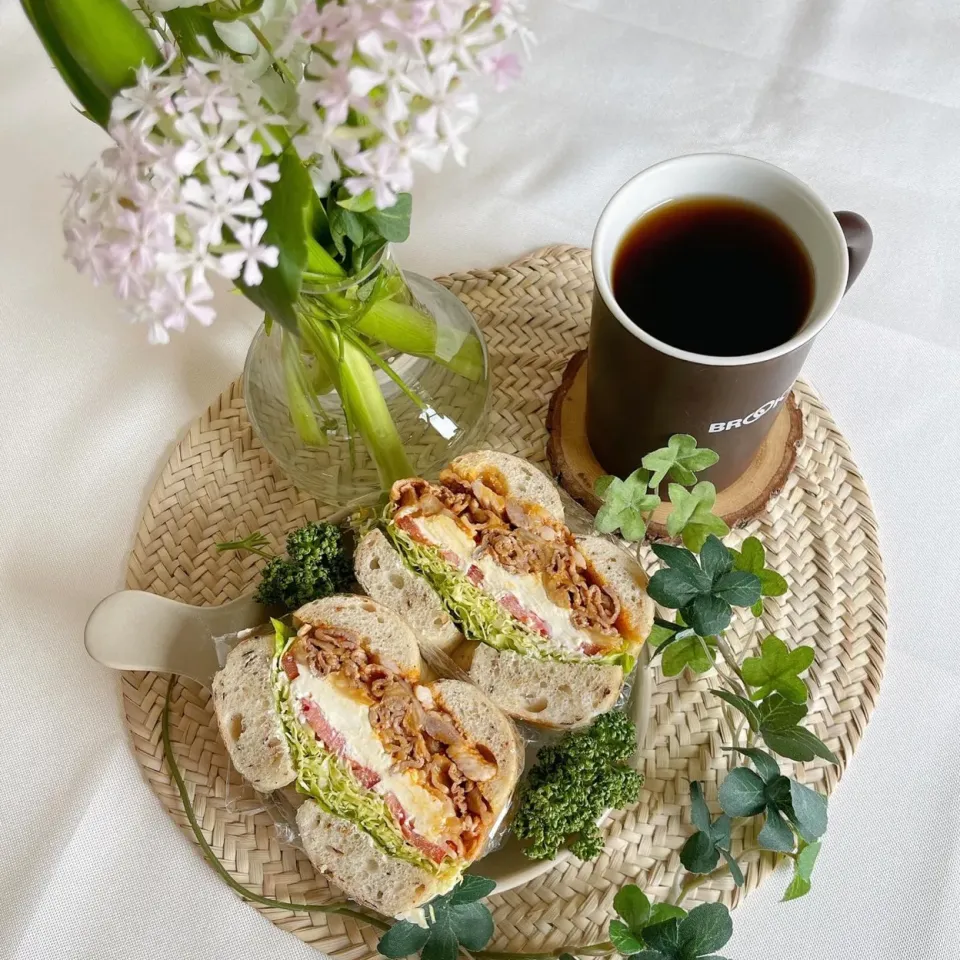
(820, 533)
(574, 465)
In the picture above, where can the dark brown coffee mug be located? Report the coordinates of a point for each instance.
(641, 390)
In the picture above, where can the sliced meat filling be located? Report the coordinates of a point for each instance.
(420, 737)
(521, 541)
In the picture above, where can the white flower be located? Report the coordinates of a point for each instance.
(175, 302)
(251, 254)
(215, 205)
(201, 144)
(244, 165)
(384, 171)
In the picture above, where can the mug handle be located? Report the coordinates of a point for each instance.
(859, 239)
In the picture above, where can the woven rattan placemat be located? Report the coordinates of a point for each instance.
(820, 533)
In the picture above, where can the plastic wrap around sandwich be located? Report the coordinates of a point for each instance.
(404, 781)
(546, 623)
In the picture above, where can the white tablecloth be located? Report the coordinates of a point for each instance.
(859, 98)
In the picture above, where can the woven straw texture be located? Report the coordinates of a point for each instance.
(820, 532)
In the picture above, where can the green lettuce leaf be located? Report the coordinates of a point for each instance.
(325, 778)
(478, 615)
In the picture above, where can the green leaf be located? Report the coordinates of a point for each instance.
(91, 98)
(757, 608)
(776, 833)
(218, 10)
(720, 832)
(660, 634)
(734, 868)
(681, 458)
(745, 706)
(688, 652)
(343, 223)
(750, 557)
(799, 744)
(694, 508)
(392, 224)
(778, 793)
(766, 766)
(715, 558)
(707, 615)
(472, 888)
(472, 923)
(772, 584)
(648, 955)
(699, 811)
(403, 939)
(742, 793)
(695, 534)
(288, 213)
(632, 905)
(704, 929)
(672, 588)
(664, 937)
(777, 668)
(738, 588)
(699, 854)
(601, 484)
(441, 944)
(802, 870)
(624, 939)
(626, 504)
(104, 39)
(685, 563)
(806, 858)
(798, 887)
(359, 204)
(778, 713)
(661, 912)
(809, 811)
(192, 30)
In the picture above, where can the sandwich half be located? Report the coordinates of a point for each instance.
(546, 623)
(403, 781)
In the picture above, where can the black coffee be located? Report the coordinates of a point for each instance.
(714, 275)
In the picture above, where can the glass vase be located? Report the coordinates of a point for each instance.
(382, 375)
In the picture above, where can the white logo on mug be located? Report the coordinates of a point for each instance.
(750, 417)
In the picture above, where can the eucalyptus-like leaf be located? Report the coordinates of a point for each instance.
(796, 743)
(747, 707)
(704, 929)
(766, 766)
(742, 793)
(403, 939)
(733, 867)
(778, 713)
(809, 811)
(776, 833)
(699, 854)
(699, 811)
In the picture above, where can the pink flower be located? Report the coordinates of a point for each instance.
(503, 67)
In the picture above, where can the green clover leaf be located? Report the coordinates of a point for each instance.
(703, 930)
(636, 914)
(697, 653)
(458, 919)
(776, 833)
(752, 558)
(799, 886)
(681, 459)
(703, 590)
(742, 793)
(626, 503)
(692, 517)
(777, 668)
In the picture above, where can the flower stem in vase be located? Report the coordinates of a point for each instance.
(364, 406)
(300, 391)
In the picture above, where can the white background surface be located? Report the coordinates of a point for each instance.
(859, 98)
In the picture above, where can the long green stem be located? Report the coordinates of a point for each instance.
(342, 909)
(278, 64)
(302, 411)
(362, 397)
(588, 950)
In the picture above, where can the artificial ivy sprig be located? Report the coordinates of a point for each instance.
(692, 518)
(680, 460)
(704, 590)
(752, 557)
(627, 505)
(702, 851)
